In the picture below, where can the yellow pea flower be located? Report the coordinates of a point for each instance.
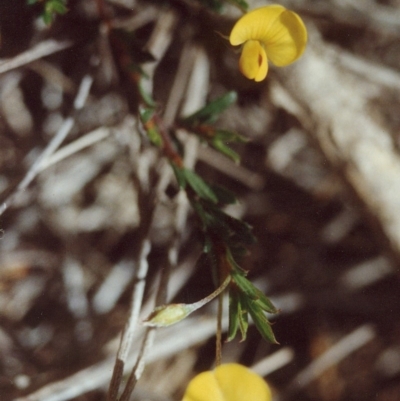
(268, 33)
(228, 382)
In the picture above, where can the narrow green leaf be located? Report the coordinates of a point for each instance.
(145, 114)
(265, 302)
(261, 322)
(179, 175)
(212, 110)
(241, 230)
(225, 150)
(243, 317)
(199, 186)
(233, 316)
(59, 7)
(224, 196)
(47, 17)
(245, 285)
(236, 269)
(229, 136)
(208, 245)
(214, 5)
(146, 97)
(253, 293)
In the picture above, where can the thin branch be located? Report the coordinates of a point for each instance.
(341, 350)
(274, 361)
(52, 146)
(74, 147)
(42, 49)
(171, 341)
(131, 324)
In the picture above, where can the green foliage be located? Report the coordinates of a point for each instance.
(146, 115)
(201, 123)
(225, 238)
(240, 4)
(217, 5)
(210, 112)
(199, 186)
(245, 299)
(51, 8)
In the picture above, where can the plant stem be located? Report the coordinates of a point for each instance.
(218, 348)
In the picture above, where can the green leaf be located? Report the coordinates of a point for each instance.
(240, 4)
(233, 316)
(224, 196)
(261, 321)
(229, 136)
(225, 150)
(146, 97)
(179, 175)
(241, 231)
(30, 2)
(214, 5)
(208, 245)
(146, 116)
(238, 315)
(47, 17)
(210, 112)
(243, 318)
(245, 285)
(146, 113)
(199, 186)
(253, 293)
(264, 302)
(59, 7)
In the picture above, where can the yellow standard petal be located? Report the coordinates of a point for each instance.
(229, 382)
(255, 25)
(204, 387)
(286, 40)
(282, 33)
(253, 61)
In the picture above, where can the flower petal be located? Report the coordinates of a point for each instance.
(287, 39)
(204, 387)
(229, 382)
(282, 32)
(253, 61)
(255, 25)
(239, 383)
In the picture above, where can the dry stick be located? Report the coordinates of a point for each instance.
(173, 340)
(83, 142)
(130, 326)
(130, 24)
(42, 49)
(53, 145)
(273, 362)
(341, 350)
(158, 44)
(53, 75)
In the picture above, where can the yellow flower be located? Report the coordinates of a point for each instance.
(229, 382)
(268, 33)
